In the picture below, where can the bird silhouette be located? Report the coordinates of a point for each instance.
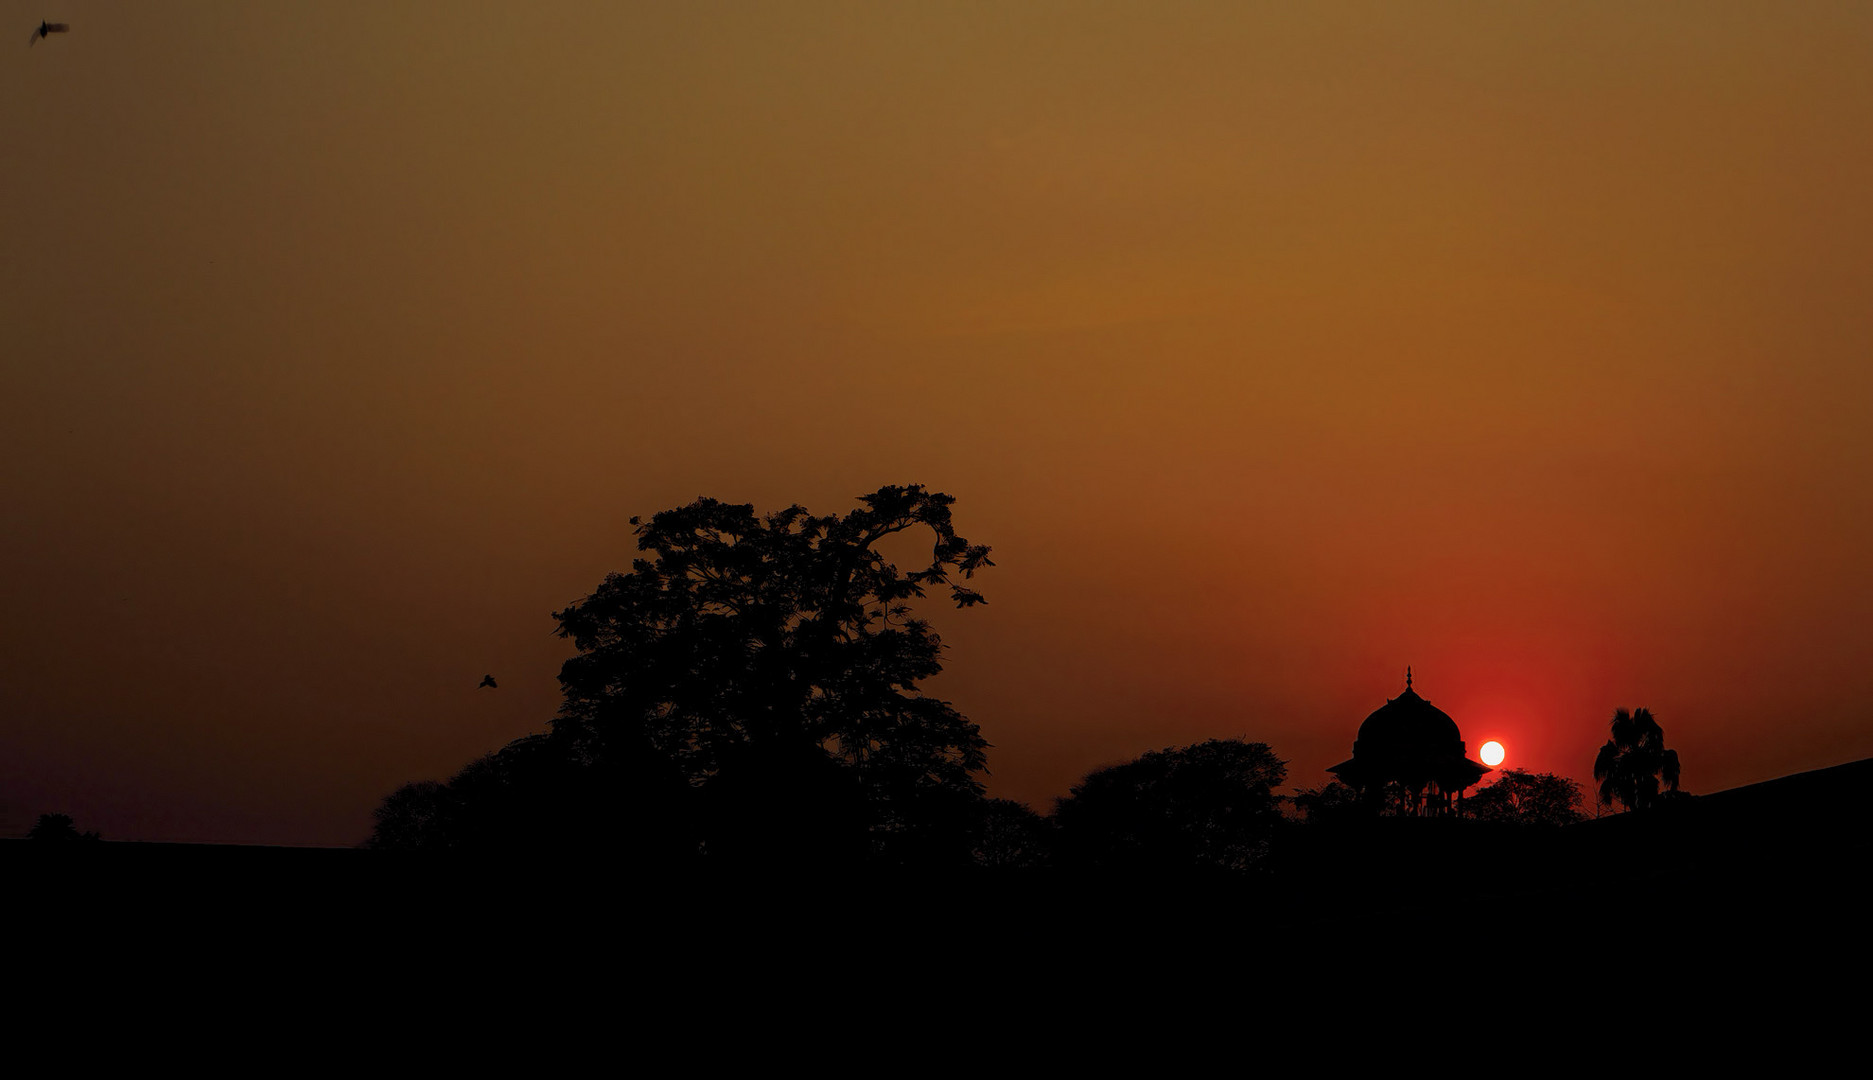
(488, 681)
(46, 28)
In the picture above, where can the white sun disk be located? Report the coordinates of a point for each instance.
(1491, 753)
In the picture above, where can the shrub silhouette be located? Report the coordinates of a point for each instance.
(57, 828)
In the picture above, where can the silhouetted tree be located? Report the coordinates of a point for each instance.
(1526, 798)
(1633, 762)
(1334, 802)
(749, 687)
(1210, 807)
(412, 817)
(1011, 836)
(531, 795)
(57, 827)
(1338, 801)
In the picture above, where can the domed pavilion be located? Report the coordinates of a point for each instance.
(1415, 744)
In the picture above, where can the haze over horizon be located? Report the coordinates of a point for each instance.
(1272, 349)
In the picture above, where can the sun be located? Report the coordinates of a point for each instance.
(1491, 753)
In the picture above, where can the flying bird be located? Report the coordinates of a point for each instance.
(46, 28)
(488, 681)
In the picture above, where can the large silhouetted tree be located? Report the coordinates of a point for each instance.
(750, 687)
(1632, 764)
(1526, 798)
(1208, 807)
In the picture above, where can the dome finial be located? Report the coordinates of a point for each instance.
(1407, 676)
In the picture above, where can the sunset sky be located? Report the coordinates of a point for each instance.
(1273, 347)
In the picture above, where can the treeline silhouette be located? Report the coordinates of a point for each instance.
(746, 795)
(747, 697)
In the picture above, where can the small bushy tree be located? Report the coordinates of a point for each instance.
(1207, 807)
(1526, 798)
(1011, 836)
(1334, 802)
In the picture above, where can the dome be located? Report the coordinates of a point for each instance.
(1413, 742)
(1408, 724)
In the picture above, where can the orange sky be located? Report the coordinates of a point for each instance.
(1272, 350)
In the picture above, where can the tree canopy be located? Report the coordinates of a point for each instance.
(1526, 798)
(1634, 762)
(1011, 836)
(752, 684)
(1334, 802)
(1207, 807)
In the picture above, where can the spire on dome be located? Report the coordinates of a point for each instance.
(1407, 676)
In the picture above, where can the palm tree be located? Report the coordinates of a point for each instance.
(1634, 760)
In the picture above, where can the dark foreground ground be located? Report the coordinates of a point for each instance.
(1741, 898)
